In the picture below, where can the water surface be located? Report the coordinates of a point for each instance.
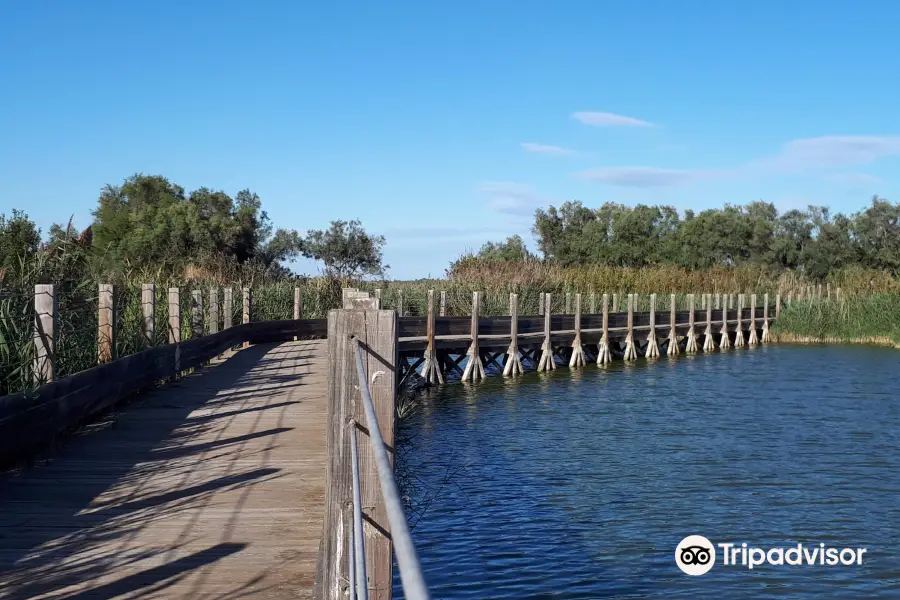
(581, 483)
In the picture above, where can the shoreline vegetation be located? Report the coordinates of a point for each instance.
(149, 230)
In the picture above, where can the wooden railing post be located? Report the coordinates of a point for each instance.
(196, 313)
(213, 320)
(245, 317)
(541, 300)
(615, 305)
(568, 310)
(777, 305)
(400, 307)
(297, 298)
(593, 303)
(227, 308)
(148, 314)
(376, 331)
(45, 314)
(174, 315)
(443, 311)
(106, 323)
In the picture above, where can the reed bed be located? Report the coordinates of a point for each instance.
(853, 319)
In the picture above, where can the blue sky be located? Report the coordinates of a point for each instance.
(443, 125)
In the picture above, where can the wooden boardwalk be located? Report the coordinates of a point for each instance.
(208, 488)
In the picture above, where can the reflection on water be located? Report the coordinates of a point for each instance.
(580, 484)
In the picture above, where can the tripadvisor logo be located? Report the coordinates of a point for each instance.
(696, 555)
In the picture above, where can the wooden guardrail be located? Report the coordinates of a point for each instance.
(31, 419)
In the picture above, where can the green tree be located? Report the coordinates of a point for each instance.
(346, 250)
(19, 240)
(513, 248)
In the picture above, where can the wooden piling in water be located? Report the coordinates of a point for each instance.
(765, 327)
(673, 348)
(690, 346)
(513, 365)
(474, 367)
(106, 324)
(724, 338)
(630, 349)
(46, 309)
(652, 346)
(148, 314)
(546, 362)
(431, 370)
(604, 355)
(709, 343)
(753, 339)
(577, 358)
(739, 331)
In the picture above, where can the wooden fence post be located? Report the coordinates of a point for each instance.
(376, 331)
(148, 313)
(297, 311)
(174, 315)
(196, 314)
(568, 303)
(245, 316)
(718, 304)
(593, 303)
(541, 301)
(227, 308)
(213, 325)
(777, 305)
(443, 311)
(400, 311)
(106, 323)
(615, 306)
(46, 307)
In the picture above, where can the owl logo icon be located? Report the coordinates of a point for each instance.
(695, 555)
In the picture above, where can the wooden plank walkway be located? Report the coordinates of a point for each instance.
(209, 488)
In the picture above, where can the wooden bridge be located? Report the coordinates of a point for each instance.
(219, 467)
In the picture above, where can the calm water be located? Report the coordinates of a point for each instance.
(580, 484)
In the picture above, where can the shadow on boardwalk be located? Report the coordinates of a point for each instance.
(211, 487)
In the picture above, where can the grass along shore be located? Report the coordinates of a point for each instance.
(859, 319)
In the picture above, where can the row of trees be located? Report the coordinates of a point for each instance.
(812, 241)
(149, 224)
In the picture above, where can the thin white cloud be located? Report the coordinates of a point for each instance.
(605, 119)
(797, 156)
(641, 177)
(854, 179)
(548, 149)
(513, 198)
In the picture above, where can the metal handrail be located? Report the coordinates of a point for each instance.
(413, 582)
